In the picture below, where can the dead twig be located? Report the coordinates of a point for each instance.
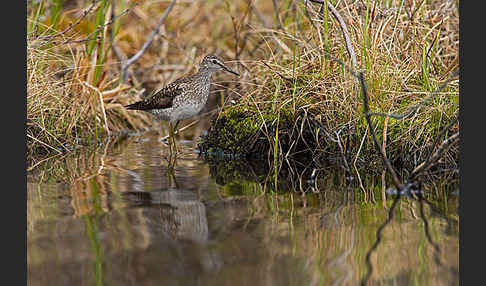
(346, 165)
(278, 73)
(385, 160)
(270, 31)
(401, 188)
(383, 173)
(431, 159)
(94, 35)
(308, 11)
(126, 64)
(70, 26)
(344, 29)
(364, 90)
(45, 144)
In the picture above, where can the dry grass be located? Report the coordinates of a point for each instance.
(405, 52)
(64, 109)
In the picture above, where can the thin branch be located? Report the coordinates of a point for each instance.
(346, 165)
(278, 73)
(262, 20)
(427, 159)
(247, 35)
(71, 25)
(386, 162)
(428, 163)
(344, 29)
(364, 89)
(307, 9)
(145, 46)
(94, 35)
(396, 181)
(45, 144)
(43, 160)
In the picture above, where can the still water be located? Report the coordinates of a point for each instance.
(116, 215)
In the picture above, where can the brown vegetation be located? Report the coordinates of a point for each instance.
(406, 50)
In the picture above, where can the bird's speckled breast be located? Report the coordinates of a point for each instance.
(189, 103)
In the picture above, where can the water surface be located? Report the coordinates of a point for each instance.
(116, 215)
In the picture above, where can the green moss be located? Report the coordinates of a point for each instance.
(240, 130)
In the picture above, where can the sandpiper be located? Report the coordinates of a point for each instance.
(183, 98)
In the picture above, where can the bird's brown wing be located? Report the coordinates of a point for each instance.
(161, 99)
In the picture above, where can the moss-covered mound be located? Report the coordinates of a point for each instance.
(248, 133)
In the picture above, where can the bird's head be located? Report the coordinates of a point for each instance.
(214, 63)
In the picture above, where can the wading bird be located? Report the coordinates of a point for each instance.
(183, 98)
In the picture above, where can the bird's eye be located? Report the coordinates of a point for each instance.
(215, 62)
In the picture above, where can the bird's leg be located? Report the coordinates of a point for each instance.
(171, 175)
(173, 136)
(170, 167)
(172, 149)
(177, 123)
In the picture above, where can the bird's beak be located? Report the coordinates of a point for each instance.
(228, 70)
